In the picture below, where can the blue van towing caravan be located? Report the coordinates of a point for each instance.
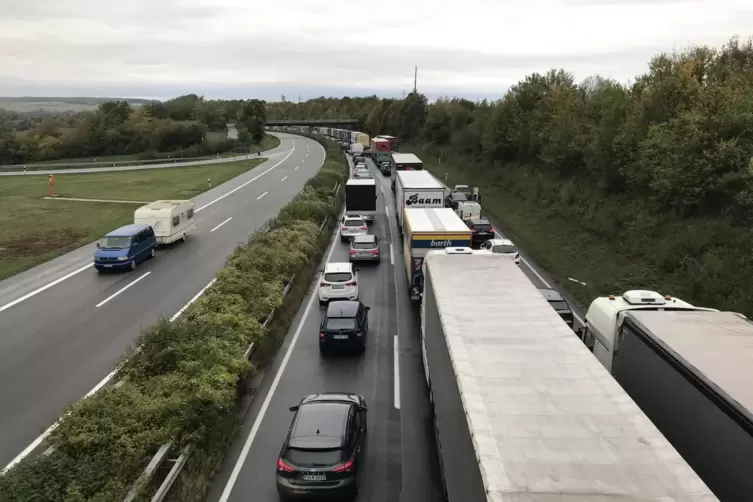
(125, 248)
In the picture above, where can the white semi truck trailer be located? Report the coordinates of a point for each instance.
(522, 410)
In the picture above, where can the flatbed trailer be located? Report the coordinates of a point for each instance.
(522, 411)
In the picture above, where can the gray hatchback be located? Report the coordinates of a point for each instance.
(364, 247)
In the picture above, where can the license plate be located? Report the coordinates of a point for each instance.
(108, 266)
(314, 477)
(338, 287)
(364, 253)
(340, 337)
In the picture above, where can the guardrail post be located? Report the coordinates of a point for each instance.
(148, 473)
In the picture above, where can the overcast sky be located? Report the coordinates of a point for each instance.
(224, 48)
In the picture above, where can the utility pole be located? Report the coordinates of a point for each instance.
(415, 79)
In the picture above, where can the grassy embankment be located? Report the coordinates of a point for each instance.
(34, 230)
(611, 243)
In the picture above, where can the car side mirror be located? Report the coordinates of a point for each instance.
(367, 308)
(98, 244)
(358, 269)
(293, 408)
(364, 408)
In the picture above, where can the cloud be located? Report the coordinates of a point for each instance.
(477, 50)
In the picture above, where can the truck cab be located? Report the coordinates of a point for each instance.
(606, 314)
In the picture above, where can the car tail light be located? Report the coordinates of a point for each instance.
(351, 283)
(346, 467)
(491, 230)
(323, 284)
(283, 467)
(474, 230)
(374, 251)
(321, 336)
(353, 251)
(364, 227)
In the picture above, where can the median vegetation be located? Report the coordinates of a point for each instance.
(184, 381)
(646, 185)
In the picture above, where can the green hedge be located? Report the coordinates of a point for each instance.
(183, 382)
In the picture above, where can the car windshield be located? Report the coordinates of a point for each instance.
(504, 248)
(353, 223)
(338, 323)
(115, 243)
(364, 245)
(313, 458)
(559, 305)
(338, 277)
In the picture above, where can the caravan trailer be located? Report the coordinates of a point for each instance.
(171, 220)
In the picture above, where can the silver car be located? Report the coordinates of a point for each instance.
(364, 248)
(362, 174)
(352, 225)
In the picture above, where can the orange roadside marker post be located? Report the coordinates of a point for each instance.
(52, 184)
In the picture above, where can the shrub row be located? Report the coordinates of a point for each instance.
(182, 382)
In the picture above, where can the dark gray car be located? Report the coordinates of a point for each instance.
(364, 248)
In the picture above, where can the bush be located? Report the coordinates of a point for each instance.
(182, 382)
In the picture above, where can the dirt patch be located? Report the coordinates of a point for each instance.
(37, 243)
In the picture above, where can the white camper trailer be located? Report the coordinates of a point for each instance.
(171, 220)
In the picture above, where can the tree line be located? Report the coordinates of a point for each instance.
(659, 170)
(177, 126)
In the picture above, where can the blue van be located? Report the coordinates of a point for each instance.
(125, 248)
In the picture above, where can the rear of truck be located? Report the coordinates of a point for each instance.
(522, 411)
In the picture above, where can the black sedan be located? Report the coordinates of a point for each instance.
(322, 453)
(481, 231)
(344, 326)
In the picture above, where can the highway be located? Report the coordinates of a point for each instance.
(65, 327)
(400, 457)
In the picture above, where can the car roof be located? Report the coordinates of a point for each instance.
(127, 231)
(353, 217)
(364, 238)
(551, 295)
(480, 222)
(320, 424)
(333, 396)
(342, 308)
(337, 267)
(502, 242)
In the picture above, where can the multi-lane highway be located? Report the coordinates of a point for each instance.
(400, 453)
(64, 326)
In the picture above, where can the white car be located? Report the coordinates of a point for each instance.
(502, 246)
(352, 225)
(339, 281)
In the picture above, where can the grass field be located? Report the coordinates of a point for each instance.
(34, 230)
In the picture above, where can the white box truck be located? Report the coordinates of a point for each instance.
(691, 371)
(171, 220)
(522, 411)
(416, 189)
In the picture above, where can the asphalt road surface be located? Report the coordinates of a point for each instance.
(64, 326)
(400, 456)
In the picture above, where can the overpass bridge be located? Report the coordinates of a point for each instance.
(351, 124)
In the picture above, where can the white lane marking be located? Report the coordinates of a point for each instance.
(296, 168)
(45, 287)
(246, 183)
(120, 291)
(218, 226)
(392, 259)
(270, 394)
(35, 444)
(381, 187)
(262, 195)
(387, 213)
(196, 297)
(283, 179)
(396, 365)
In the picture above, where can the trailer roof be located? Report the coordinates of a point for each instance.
(548, 422)
(439, 219)
(418, 179)
(719, 345)
(354, 181)
(405, 158)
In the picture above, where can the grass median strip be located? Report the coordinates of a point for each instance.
(34, 230)
(183, 382)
